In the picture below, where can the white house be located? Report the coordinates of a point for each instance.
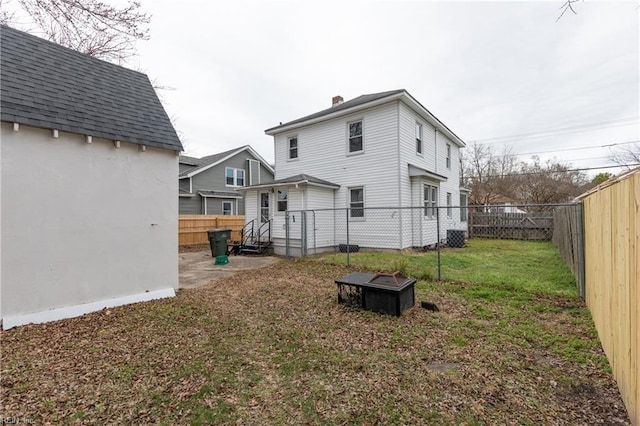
(88, 184)
(382, 150)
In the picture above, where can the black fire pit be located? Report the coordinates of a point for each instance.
(388, 293)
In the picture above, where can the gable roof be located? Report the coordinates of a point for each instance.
(363, 102)
(205, 163)
(50, 86)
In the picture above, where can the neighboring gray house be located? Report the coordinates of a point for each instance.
(208, 185)
(88, 165)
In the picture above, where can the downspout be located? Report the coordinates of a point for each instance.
(399, 176)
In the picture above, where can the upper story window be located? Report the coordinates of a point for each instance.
(448, 156)
(282, 200)
(293, 148)
(430, 201)
(234, 177)
(355, 137)
(419, 138)
(356, 202)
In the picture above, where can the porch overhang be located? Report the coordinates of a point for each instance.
(415, 171)
(220, 194)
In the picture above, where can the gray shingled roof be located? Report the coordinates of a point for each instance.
(363, 99)
(205, 161)
(50, 86)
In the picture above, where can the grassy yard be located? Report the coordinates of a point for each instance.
(511, 344)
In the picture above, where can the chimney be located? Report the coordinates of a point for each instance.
(336, 100)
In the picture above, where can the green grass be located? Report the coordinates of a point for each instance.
(532, 267)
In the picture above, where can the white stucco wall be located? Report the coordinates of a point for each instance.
(83, 226)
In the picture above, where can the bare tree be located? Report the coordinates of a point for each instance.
(89, 26)
(548, 182)
(488, 175)
(567, 5)
(628, 156)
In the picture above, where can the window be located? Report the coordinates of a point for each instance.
(419, 138)
(227, 208)
(430, 201)
(356, 202)
(282, 200)
(448, 156)
(463, 207)
(264, 207)
(293, 148)
(449, 210)
(355, 136)
(234, 177)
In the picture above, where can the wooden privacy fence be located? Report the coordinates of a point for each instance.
(511, 226)
(612, 240)
(569, 238)
(192, 229)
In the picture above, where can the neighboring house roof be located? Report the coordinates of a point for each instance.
(205, 163)
(300, 179)
(363, 102)
(50, 86)
(185, 193)
(190, 161)
(220, 194)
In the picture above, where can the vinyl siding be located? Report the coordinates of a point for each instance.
(213, 179)
(322, 152)
(190, 205)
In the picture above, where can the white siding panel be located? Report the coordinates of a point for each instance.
(323, 154)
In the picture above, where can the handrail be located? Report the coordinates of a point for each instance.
(261, 232)
(246, 236)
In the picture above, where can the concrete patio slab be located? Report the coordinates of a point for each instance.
(197, 269)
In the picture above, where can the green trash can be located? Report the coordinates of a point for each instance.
(218, 241)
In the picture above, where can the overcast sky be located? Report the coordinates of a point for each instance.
(487, 70)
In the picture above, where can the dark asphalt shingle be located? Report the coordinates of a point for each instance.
(47, 85)
(363, 99)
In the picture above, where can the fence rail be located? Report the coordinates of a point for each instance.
(192, 229)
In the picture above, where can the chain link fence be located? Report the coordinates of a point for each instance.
(432, 228)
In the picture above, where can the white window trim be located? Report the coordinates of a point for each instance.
(277, 211)
(448, 157)
(364, 198)
(251, 161)
(449, 205)
(349, 123)
(235, 177)
(432, 206)
(421, 152)
(230, 206)
(289, 148)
